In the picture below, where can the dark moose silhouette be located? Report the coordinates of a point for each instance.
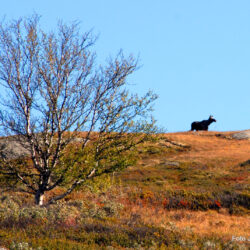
(203, 125)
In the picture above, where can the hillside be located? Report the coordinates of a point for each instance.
(193, 160)
(188, 190)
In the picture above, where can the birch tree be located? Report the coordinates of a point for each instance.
(51, 91)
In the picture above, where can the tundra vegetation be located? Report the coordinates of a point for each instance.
(181, 191)
(186, 191)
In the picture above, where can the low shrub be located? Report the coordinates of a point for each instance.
(12, 213)
(205, 201)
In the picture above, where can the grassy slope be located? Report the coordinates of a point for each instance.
(210, 164)
(206, 156)
(189, 194)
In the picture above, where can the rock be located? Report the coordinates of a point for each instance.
(170, 163)
(11, 148)
(242, 135)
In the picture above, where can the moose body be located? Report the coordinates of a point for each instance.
(203, 125)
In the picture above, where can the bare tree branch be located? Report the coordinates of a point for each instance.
(53, 90)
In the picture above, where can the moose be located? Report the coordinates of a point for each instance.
(203, 125)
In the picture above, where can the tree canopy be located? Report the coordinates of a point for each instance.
(76, 119)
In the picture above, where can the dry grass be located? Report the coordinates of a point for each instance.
(204, 224)
(192, 169)
(210, 147)
(206, 159)
(210, 161)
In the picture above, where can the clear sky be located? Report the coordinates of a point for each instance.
(195, 54)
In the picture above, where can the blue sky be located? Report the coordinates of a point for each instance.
(194, 54)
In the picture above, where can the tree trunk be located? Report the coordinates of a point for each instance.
(39, 197)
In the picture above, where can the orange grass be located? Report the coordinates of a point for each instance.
(209, 162)
(210, 147)
(208, 223)
(220, 155)
(211, 153)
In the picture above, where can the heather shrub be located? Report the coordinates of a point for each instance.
(232, 198)
(9, 209)
(33, 212)
(238, 210)
(204, 201)
(93, 210)
(14, 213)
(22, 246)
(112, 208)
(101, 209)
(61, 211)
(19, 246)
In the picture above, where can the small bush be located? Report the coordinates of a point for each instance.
(205, 201)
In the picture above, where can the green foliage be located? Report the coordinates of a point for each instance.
(56, 91)
(101, 183)
(107, 153)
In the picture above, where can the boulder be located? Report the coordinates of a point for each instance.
(241, 135)
(12, 148)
